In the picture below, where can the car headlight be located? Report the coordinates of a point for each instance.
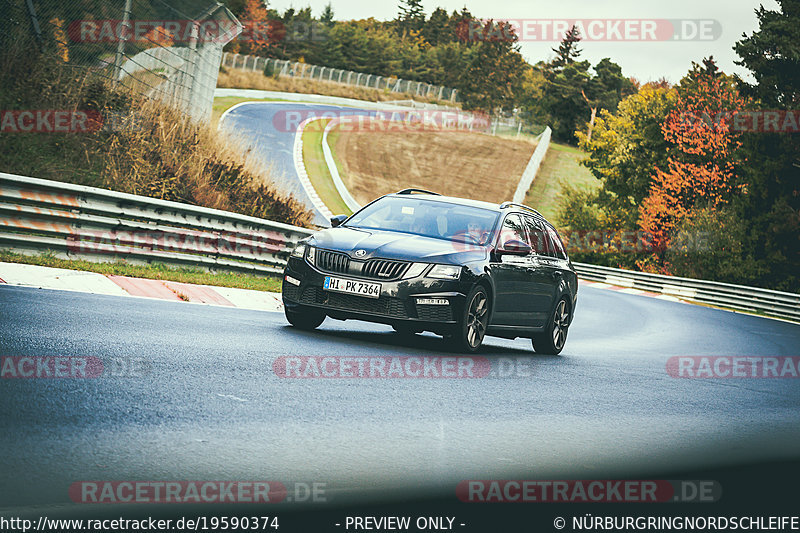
(299, 250)
(311, 255)
(415, 270)
(445, 272)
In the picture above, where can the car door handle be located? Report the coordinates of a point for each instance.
(557, 274)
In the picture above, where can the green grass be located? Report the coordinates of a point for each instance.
(333, 138)
(561, 167)
(154, 271)
(318, 173)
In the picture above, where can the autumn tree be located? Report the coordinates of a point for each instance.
(703, 164)
(259, 32)
(626, 148)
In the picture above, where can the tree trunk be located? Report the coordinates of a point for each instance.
(591, 125)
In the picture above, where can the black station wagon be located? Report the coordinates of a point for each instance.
(419, 261)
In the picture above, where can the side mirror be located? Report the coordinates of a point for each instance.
(514, 247)
(337, 220)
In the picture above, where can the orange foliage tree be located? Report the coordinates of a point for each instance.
(259, 32)
(702, 165)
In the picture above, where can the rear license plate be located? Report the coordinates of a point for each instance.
(350, 286)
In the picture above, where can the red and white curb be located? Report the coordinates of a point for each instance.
(93, 283)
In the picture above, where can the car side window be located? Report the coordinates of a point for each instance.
(512, 230)
(538, 239)
(557, 246)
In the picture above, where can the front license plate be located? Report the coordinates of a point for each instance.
(351, 286)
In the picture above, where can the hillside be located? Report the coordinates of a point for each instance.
(470, 165)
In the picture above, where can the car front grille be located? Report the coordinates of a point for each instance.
(340, 263)
(333, 262)
(385, 306)
(383, 269)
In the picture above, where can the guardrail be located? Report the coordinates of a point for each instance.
(739, 297)
(532, 168)
(79, 222)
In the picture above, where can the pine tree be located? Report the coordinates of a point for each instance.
(568, 51)
(327, 15)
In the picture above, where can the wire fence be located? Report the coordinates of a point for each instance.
(500, 125)
(164, 49)
(282, 67)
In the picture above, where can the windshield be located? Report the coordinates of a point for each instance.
(429, 218)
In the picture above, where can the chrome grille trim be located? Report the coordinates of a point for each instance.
(378, 269)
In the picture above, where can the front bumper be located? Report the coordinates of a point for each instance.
(396, 304)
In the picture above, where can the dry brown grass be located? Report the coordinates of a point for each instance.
(173, 158)
(157, 151)
(243, 79)
(463, 164)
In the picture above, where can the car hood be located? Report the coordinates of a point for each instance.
(396, 245)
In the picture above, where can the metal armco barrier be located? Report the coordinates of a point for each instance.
(774, 303)
(80, 222)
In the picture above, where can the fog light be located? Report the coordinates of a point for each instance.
(295, 282)
(433, 301)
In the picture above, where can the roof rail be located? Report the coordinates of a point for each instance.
(412, 190)
(506, 205)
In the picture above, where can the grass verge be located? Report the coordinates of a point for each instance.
(154, 271)
(318, 173)
(561, 167)
(243, 79)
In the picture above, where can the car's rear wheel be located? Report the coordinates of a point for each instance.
(472, 328)
(305, 318)
(551, 341)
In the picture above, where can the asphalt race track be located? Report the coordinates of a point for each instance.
(206, 404)
(262, 126)
(189, 393)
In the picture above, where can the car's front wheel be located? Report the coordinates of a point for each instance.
(551, 341)
(306, 318)
(472, 327)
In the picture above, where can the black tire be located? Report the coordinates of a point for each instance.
(405, 330)
(551, 341)
(471, 329)
(306, 318)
